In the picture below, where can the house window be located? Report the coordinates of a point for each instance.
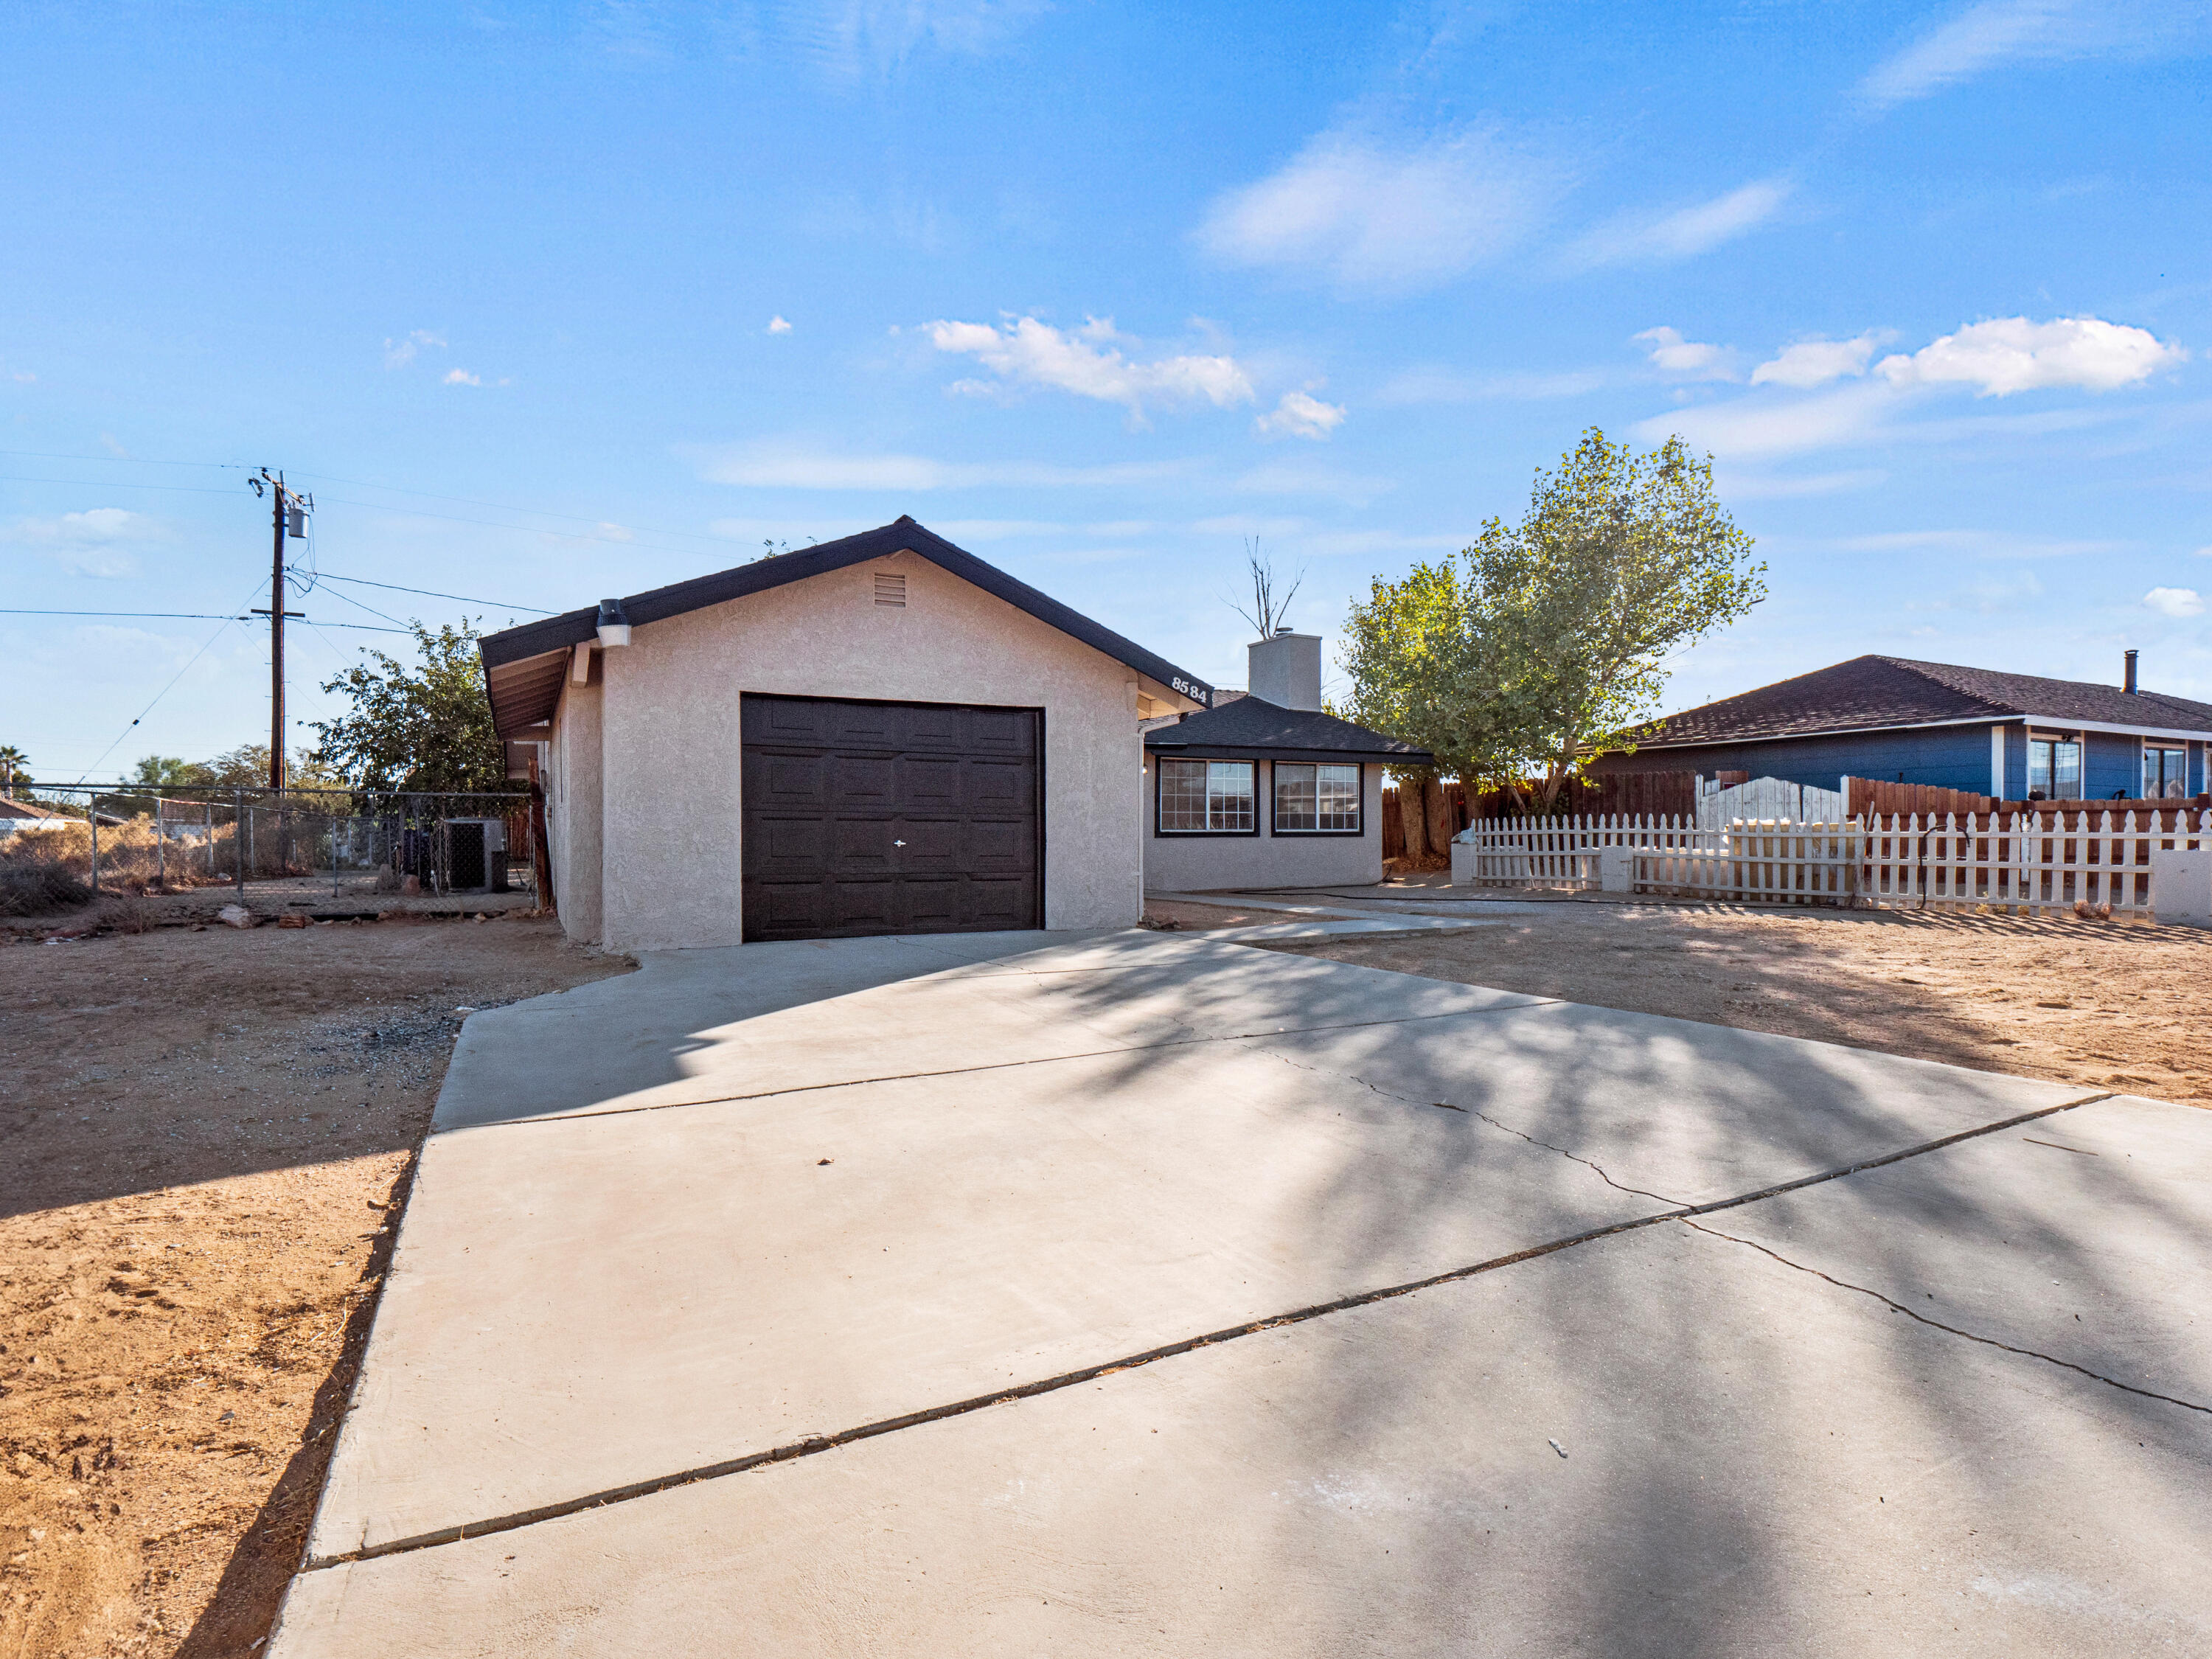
(2165, 771)
(1207, 798)
(1317, 798)
(2054, 768)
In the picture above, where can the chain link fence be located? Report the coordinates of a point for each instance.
(342, 849)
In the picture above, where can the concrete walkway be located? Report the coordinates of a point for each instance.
(1150, 1293)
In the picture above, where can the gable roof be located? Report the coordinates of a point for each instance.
(1253, 726)
(525, 667)
(1873, 693)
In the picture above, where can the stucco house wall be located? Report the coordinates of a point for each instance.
(646, 811)
(1194, 864)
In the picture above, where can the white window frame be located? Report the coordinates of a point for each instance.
(1217, 773)
(1359, 824)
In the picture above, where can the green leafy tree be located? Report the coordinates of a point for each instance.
(1544, 645)
(246, 767)
(425, 725)
(172, 772)
(14, 769)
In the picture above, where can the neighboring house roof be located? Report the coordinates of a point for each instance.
(1253, 726)
(24, 809)
(524, 666)
(1874, 693)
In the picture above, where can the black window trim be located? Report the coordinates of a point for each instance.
(1159, 775)
(1323, 834)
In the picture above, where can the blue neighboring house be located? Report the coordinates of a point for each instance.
(2017, 737)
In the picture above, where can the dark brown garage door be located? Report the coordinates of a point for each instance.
(889, 817)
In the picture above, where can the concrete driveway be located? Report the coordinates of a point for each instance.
(1140, 1294)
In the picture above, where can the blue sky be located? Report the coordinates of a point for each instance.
(549, 301)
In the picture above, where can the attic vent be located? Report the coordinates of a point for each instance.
(890, 588)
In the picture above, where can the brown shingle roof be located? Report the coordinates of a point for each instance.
(1874, 692)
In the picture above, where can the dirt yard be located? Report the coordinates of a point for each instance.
(2108, 1006)
(202, 1134)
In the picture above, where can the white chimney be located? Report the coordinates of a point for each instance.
(1285, 671)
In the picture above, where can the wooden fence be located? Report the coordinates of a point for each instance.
(2030, 862)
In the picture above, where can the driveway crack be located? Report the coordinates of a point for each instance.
(1937, 1324)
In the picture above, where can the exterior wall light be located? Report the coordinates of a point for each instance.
(614, 624)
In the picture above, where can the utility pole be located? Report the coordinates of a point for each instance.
(288, 514)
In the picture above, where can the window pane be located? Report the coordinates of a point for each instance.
(1183, 795)
(1339, 797)
(2039, 770)
(1229, 804)
(1294, 796)
(2066, 771)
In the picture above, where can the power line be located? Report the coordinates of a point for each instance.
(170, 687)
(358, 605)
(363, 581)
(116, 460)
(496, 507)
(180, 616)
(110, 484)
(207, 615)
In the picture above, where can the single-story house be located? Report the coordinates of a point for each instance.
(2017, 737)
(883, 734)
(1264, 790)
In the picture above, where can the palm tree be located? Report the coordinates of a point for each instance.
(14, 769)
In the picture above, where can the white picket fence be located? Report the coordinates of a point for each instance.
(1763, 798)
(2022, 863)
(1561, 852)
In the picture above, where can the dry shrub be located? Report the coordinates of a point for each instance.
(35, 886)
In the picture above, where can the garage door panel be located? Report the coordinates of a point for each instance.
(934, 846)
(789, 847)
(788, 780)
(863, 906)
(784, 909)
(861, 847)
(833, 789)
(862, 781)
(932, 907)
(936, 729)
(999, 787)
(1001, 731)
(930, 782)
(1002, 849)
(1000, 905)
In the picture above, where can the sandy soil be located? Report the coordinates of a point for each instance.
(202, 1134)
(2112, 1006)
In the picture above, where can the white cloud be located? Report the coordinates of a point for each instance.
(1300, 415)
(1815, 362)
(1435, 384)
(2006, 354)
(1683, 233)
(461, 377)
(1744, 427)
(95, 543)
(1688, 360)
(22, 376)
(783, 464)
(1365, 214)
(1294, 478)
(2175, 601)
(1982, 543)
(1768, 487)
(778, 326)
(397, 353)
(2000, 32)
(1085, 361)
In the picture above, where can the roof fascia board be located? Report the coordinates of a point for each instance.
(572, 628)
(1419, 757)
(2198, 734)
